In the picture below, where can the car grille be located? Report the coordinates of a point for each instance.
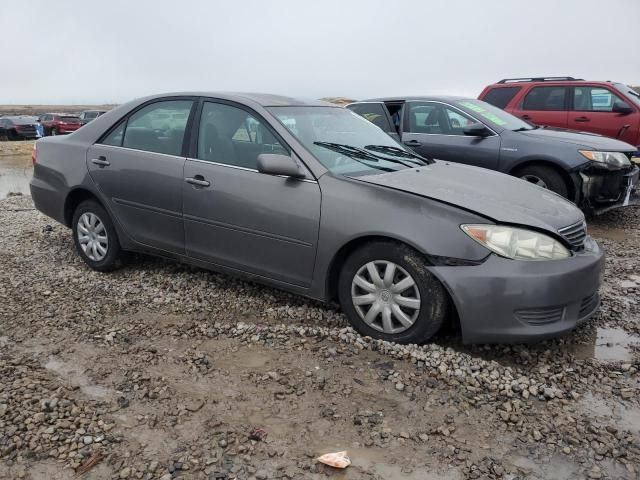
(589, 304)
(540, 316)
(575, 234)
(26, 129)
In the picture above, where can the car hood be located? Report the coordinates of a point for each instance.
(500, 197)
(585, 140)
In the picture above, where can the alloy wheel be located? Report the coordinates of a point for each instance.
(385, 296)
(535, 180)
(92, 236)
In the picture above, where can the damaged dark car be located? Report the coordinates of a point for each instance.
(595, 172)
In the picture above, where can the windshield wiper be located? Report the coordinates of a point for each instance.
(398, 152)
(350, 150)
(355, 153)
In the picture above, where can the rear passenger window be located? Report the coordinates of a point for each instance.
(545, 98)
(375, 113)
(232, 136)
(115, 137)
(500, 97)
(159, 127)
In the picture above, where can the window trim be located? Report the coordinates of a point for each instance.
(453, 107)
(601, 87)
(125, 119)
(568, 98)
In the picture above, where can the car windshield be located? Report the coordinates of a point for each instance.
(344, 142)
(494, 116)
(629, 92)
(23, 120)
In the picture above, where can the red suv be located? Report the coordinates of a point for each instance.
(56, 124)
(607, 108)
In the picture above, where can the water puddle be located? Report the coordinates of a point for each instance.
(15, 174)
(609, 345)
(75, 377)
(608, 233)
(626, 417)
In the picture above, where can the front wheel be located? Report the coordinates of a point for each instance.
(95, 237)
(545, 177)
(54, 132)
(387, 293)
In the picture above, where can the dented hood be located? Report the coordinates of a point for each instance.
(500, 197)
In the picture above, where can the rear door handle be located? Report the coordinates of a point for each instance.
(582, 119)
(101, 161)
(198, 181)
(412, 143)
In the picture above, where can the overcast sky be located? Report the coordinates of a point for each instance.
(78, 51)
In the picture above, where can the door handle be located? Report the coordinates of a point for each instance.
(101, 161)
(582, 119)
(525, 117)
(412, 143)
(198, 181)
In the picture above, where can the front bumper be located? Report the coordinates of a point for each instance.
(603, 190)
(511, 301)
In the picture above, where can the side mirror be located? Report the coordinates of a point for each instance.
(621, 107)
(275, 164)
(476, 130)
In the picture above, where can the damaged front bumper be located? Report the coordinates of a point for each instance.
(602, 189)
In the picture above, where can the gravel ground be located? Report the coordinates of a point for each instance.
(165, 371)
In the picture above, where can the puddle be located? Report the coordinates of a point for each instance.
(15, 174)
(623, 416)
(609, 345)
(608, 233)
(76, 378)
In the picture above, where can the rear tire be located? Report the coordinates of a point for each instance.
(387, 293)
(545, 177)
(95, 237)
(54, 132)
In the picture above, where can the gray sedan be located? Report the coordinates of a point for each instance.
(311, 198)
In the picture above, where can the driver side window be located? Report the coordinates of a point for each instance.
(232, 136)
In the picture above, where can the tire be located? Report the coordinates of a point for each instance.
(106, 257)
(54, 132)
(545, 177)
(427, 293)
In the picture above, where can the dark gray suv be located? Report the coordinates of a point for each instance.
(311, 198)
(594, 172)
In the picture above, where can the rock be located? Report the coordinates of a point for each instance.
(400, 386)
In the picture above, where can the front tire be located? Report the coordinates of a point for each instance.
(387, 293)
(95, 237)
(545, 177)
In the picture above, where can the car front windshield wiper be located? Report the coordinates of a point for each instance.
(350, 150)
(398, 152)
(361, 156)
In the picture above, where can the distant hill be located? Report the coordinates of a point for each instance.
(338, 100)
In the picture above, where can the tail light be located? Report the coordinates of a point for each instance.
(34, 154)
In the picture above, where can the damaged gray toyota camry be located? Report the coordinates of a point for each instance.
(313, 199)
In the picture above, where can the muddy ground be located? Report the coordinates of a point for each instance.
(160, 370)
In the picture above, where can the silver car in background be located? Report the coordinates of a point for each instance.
(311, 198)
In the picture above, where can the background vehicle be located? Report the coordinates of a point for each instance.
(88, 115)
(592, 171)
(313, 199)
(59, 124)
(18, 127)
(607, 108)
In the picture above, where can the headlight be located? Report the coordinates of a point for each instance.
(616, 159)
(516, 243)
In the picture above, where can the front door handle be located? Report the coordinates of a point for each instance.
(412, 143)
(582, 119)
(525, 117)
(101, 161)
(198, 181)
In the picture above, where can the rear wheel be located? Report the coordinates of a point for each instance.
(95, 237)
(387, 293)
(545, 177)
(54, 132)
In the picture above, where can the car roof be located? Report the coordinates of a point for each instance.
(511, 82)
(421, 98)
(262, 99)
